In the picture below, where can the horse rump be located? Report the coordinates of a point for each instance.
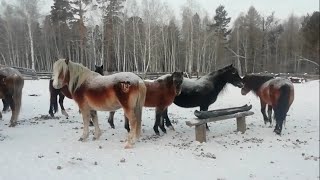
(282, 107)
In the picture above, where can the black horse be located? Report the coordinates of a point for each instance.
(54, 93)
(204, 91)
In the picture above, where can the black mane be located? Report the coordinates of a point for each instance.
(254, 81)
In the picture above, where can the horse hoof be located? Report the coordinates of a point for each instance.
(64, 112)
(157, 133)
(128, 146)
(12, 124)
(277, 131)
(164, 131)
(81, 139)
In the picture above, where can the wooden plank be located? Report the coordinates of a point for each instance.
(201, 133)
(195, 122)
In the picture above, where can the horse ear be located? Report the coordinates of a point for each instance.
(102, 66)
(67, 60)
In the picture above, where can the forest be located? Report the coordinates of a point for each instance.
(150, 37)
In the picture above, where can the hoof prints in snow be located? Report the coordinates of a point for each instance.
(3, 137)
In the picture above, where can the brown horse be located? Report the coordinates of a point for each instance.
(91, 91)
(278, 93)
(11, 85)
(160, 94)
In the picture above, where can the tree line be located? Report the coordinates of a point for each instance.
(126, 36)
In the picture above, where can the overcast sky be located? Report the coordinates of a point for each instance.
(282, 8)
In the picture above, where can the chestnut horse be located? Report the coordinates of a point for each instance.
(278, 93)
(11, 85)
(54, 93)
(160, 94)
(204, 91)
(91, 91)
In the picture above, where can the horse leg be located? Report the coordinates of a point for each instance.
(13, 120)
(110, 119)
(85, 111)
(5, 105)
(134, 117)
(270, 114)
(160, 112)
(63, 111)
(263, 111)
(166, 119)
(94, 118)
(53, 103)
(157, 122)
(205, 108)
(132, 136)
(126, 124)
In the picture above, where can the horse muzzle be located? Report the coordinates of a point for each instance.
(178, 92)
(244, 91)
(56, 85)
(240, 85)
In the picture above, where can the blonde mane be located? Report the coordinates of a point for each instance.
(78, 73)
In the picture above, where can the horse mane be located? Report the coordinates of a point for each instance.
(255, 81)
(78, 73)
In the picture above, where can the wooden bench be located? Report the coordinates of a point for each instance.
(200, 124)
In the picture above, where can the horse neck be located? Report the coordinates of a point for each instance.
(219, 82)
(258, 83)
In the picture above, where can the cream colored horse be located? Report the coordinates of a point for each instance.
(92, 91)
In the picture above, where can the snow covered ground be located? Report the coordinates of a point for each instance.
(40, 148)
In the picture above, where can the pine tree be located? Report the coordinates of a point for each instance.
(61, 15)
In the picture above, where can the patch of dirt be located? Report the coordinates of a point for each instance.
(206, 155)
(253, 140)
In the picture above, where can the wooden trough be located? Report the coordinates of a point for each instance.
(239, 113)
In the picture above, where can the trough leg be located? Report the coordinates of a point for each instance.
(241, 124)
(201, 133)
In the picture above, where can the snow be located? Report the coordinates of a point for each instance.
(37, 146)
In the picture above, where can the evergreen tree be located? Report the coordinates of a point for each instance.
(61, 15)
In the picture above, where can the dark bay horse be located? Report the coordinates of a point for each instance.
(54, 93)
(204, 91)
(278, 93)
(11, 85)
(160, 94)
(92, 91)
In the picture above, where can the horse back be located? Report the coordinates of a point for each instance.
(109, 93)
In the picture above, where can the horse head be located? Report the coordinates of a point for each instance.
(177, 78)
(230, 73)
(247, 85)
(253, 82)
(60, 75)
(99, 69)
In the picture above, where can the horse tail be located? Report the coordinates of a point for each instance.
(282, 105)
(18, 83)
(139, 104)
